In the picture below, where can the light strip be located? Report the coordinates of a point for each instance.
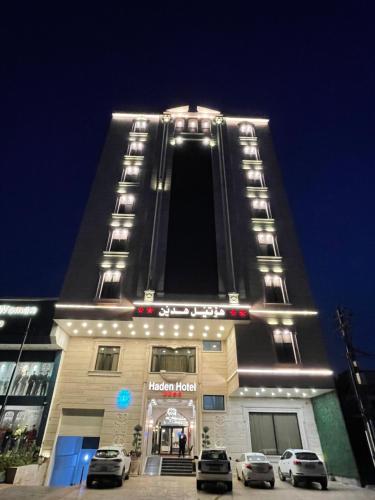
(287, 371)
(86, 306)
(279, 311)
(192, 304)
(138, 115)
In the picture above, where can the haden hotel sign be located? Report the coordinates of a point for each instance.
(172, 390)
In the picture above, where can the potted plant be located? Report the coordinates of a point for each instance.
(136, 451)
(205, 438)
(12, 461)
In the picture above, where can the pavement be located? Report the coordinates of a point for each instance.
(184, 488)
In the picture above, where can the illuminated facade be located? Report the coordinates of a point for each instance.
(186, 303)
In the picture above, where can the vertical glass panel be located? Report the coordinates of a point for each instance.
(287, 431)
(262, 433)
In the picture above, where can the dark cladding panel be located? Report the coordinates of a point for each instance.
(191, 264)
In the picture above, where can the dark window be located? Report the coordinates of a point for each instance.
(119, 240)
(260, 209)
(247, 129)
(272, 433)
(173, 360)
(306, 456)
(266, 244)
(191, 263)
(140, 125)
(110, 286)
(107, 358)
(214, 455)
(284, 342)
(211, 345)
(213, 403)
(255, 178)
(125, 204)
(131, 174)
(274, 289)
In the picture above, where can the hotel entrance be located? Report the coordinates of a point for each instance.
(168, 420)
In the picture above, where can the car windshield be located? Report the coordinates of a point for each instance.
(107, 453)
(214, 455)
(256, 458)
(306, 456)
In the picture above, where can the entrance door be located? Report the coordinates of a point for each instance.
(168, 438)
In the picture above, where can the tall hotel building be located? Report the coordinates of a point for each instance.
(186, 303)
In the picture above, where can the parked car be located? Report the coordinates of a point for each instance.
(213, 466)
(302, 465)
(108, 463)
(254, 467)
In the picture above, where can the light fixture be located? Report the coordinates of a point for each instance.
(221, 328)
(204, 334)
(206, 328)
(176, 327)
(246, 389)
(115, 325)
(133, 332)
(190, 334)
(241, 393)
(161, 334)
(89, 332)
(99, 325)
(279, 390)
(288, 394)
(313, 390)
(272, 393)
(218, 335)
(191, 327)
(75, 331)
(176, 334)
(104, 332)
(130, 325)
(288, 371)
(147, 333)
(263, 389)
(296, 390)
(206, 141)
(257, 394)
(119, 332)
(69, 323)
(304, 394)
(145, 325)
(161, 326)
(84, 324)
(179, 140)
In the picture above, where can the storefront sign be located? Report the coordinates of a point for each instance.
(197, 312)
(177, 387)
(7, 310)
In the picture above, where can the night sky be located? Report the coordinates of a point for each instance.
(310, 70)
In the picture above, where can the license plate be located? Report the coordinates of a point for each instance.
(310, 466)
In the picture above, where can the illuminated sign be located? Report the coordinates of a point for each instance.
(124, 399)
(2, 323)
(7, 310)
(167, 386)
(197, 312)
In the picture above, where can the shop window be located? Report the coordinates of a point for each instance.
(206, 126)
(272, 433)
(179, 124)
(285, 346)
(213, 403)
(125, 204)
(260, 209)
(173, 360)
(247, 129)
(193, 125)
(135, 148)
(275, 291)
(131, 174)
(255, 178)
(251, 152)
(6, 370)
(110, 285)
(20, 417)
(119, 239)
(140, 125)
(266, 244)
(212, 345)
(107, 358)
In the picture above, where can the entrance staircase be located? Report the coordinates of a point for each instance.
(174, 466)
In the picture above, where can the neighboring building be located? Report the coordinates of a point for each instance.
(30, 389)
(186, 303)
(353, 419)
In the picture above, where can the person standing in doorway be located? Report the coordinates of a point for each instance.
(182, 444)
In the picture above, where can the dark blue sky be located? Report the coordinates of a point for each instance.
(311, 71)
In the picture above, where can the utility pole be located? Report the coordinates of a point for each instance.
(2, 410)
(355, 375)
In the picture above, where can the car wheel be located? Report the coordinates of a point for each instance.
(272, 483)
(229, 486)
(119, 481)
(245, 481)
(324, 483)
(199, 485)
(293, 480)
(89, 482)
(126, 476)
(281, 475)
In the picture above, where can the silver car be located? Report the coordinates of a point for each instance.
(213, 467)
(254, 467)
(302, 466)
(108, 463)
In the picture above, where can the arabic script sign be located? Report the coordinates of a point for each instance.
(199, 312)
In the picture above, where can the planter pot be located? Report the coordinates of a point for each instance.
(135, 467)
(3, 476)
(31, 475)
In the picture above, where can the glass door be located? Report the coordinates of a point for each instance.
(165, 440)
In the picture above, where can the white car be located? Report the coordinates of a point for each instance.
(254, 467)
(302, 465)
(109, 463)
(213, 466)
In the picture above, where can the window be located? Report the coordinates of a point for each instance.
(118, 240)
(140, 125)
(274, 289)
(260, 209)
(179, 125)
(131, 174)
(266, 244)
(214, 455)
(193, 125)
(107, 358)
(110, 286)
(251, 152)
(135, 148)
(205, 126)
(173, 360)
(285, 345)
(255, 178)
(247, 129)
(125, 204)
(272, 433)
(213, 403)
(212, 345)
